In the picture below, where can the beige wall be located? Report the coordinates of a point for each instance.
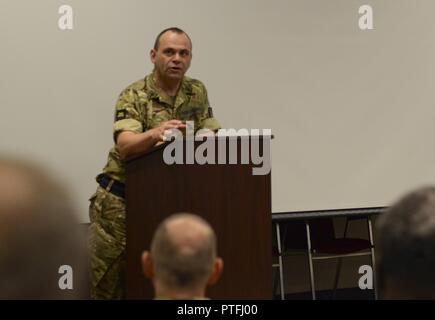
(352, 111)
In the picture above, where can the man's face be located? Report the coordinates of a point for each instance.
(173, 56)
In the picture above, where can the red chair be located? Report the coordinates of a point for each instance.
(315, 237)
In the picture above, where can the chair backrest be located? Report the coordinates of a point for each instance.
(322, 230)
(295, 237)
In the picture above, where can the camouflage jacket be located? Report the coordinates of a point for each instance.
(143, 106)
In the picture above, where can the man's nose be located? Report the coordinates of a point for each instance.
(177, 58)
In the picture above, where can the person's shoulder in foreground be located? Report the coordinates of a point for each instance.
(406, 247)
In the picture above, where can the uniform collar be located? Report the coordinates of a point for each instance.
(155, 93)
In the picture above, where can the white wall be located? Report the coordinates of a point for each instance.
(352, 111)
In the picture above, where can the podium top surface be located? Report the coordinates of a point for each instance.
(218, 136)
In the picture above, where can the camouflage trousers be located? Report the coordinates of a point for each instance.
(107, 237)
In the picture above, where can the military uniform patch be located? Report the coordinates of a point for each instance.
(121, 114)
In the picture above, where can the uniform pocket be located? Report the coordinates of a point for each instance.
(112, 217)
(94, 206)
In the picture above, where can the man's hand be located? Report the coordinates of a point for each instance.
(131, 143)
(158, 133)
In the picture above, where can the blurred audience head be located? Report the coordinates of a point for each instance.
(38, 235)
(183, 258)
(406, 247)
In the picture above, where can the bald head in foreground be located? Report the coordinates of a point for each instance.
(406, 244)
(38, 235)
(183, 258)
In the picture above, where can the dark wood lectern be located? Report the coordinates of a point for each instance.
(235, 202)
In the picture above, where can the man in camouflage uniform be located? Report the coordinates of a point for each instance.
(145, 109)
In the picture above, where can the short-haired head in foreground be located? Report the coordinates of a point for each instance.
(183, 258)
(406, 244)
(38, 234)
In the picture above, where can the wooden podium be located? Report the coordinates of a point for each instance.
(233, 200)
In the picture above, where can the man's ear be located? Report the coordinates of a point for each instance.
(216, 272)
(147, 265)
(153, 56)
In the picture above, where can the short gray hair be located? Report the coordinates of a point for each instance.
(183, 265)
(171, 29)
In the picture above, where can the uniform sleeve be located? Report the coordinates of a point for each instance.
(207, 119)
(127, 114)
